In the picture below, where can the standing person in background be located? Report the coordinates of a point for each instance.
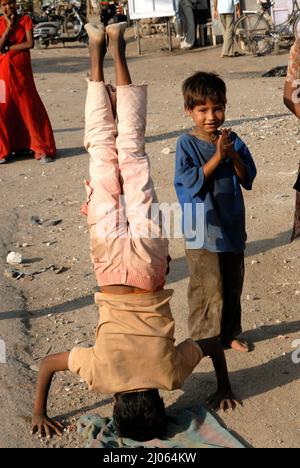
(201, 15)
(24, 123)
(188, 23)
(227, 9)
(292, 102)
(178, 18)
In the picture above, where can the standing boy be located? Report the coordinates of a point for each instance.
(210, 167)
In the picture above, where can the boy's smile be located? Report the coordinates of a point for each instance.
(208, 117)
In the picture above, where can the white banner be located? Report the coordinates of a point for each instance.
(139, 9)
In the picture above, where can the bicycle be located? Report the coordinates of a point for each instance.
(255, 32)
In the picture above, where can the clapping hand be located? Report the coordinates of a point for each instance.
(224, 144)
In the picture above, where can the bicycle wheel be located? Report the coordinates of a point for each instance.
(296, 28)
(251, 35)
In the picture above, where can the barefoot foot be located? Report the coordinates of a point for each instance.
(115, 30)
(115, 33)
(96, 33)
(238, 345)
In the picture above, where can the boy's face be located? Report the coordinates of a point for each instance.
(208, 117)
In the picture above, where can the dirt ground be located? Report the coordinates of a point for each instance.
(51, 311)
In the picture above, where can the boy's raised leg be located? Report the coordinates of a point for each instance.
(97, 49)
(105, 211)
(144, 220)
(117, 47)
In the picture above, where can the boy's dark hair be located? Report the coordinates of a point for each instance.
(200, 87)
(140, 415)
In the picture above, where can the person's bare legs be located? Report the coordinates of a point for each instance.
(97, 49)
(117, 47)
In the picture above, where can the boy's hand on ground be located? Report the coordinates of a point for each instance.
(223, 399)
(44, 425)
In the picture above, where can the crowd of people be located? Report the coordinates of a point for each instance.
(134, 355)
(190, 13)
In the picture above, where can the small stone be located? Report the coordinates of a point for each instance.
(34, 368)
(14, 258)
(166, 151)
(35, 220)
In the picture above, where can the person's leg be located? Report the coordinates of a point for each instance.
(233, 271)
(228, 25)
(105, 212)
(223, 21)
(178, 18)
(204, 294)
(189, 24)
(146, 252)
(115, 33)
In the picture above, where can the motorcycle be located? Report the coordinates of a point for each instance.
(60, 28)
(113, 11)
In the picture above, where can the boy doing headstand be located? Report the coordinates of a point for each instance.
(134, 354)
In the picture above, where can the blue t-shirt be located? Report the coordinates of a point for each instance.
(213, 209)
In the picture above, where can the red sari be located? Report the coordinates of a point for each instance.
(24, 123)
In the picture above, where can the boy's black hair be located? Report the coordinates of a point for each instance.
(200, 87)
(140, 415)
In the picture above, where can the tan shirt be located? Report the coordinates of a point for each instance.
(134, 346)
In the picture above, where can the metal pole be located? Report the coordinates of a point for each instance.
(169, 33)
(138, 36)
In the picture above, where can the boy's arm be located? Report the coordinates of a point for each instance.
(291, 97)
(239, 165)
(224, 396)
(40, 421)
(242, 161)
(215, 9)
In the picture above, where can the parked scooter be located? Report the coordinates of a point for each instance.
(59, 28)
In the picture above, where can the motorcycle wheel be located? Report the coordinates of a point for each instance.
(71, 25)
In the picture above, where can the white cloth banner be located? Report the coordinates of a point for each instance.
(139, 9)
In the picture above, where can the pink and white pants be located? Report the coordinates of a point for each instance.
(126, 244)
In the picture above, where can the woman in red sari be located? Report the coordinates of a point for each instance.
(24, 123)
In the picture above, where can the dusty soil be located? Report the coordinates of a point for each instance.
(52, 312)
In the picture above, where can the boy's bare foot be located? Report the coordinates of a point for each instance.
(238, 345)
(115, 33)
(96, 33)
(97, 49)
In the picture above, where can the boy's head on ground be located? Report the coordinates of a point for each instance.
(140, 415)
(205, 100)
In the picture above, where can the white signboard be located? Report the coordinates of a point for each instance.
(139, 9)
